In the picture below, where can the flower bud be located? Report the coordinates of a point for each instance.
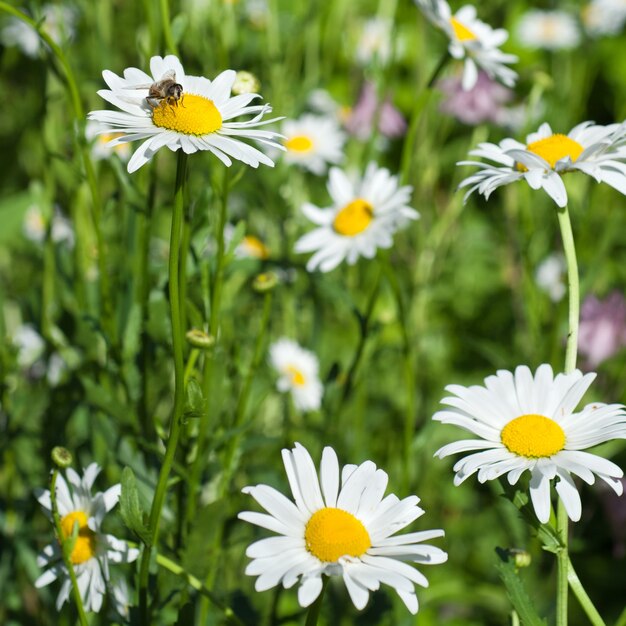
(245, 82)
(265, 282)
(61, 457)
(199, 339)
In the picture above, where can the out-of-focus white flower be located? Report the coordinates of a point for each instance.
(30, 345)
(550, 276)
(100, 146)
(250, 247)
(57, 367)
(34, 227)
(58, 21)
(550, 30)
(604, 17)
(375, 41)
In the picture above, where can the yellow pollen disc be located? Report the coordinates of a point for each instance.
(85, 546)
(533, 436)
(192, 115)
(462, 32)
(553, 149)
(333, 533)
(297, 377)
(255, 247)
(300, 143)
(354, 218)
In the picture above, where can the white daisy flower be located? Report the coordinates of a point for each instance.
(250, 247)
(472, 40)
(604, 17)
(550, 276)
(375, 41)
(550, 30)
(529, 423)
(199, 120)
(100, 139)
(30, 345)
(298, 371)
(93, 549)
(340, 525)
(364, 216)
(598, 151)
(313, 141)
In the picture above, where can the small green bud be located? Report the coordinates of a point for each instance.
(521, 558)
(61, 457)
(199, 339)
(265, 282)
(245, 82)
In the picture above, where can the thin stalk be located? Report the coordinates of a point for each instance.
(66, 553)
(314, 611)
(196, 584)
(570, 364)
(170, 44)
(106, 312)
(582, 597)
(179, 386)
(209, 356)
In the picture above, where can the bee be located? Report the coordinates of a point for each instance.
(165, 90)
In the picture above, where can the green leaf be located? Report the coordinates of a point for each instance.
(179, 26)
(516, 590)
(130, 508)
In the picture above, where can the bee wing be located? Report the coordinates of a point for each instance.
(146, 86)
(169, 75)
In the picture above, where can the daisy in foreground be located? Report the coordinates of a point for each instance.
(363, 217)
(196, 118)
(338, 530)
(93, 549)
(528, 422)
(298, 371)
(472, 40)
(599, 151)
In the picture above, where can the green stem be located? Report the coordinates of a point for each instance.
(196, 584)
(570, 365)
(167, 28)
(66, 550)
(106, 313)
(420, 103)
(179, 387)
(621, 620)
(582, 597)
(314, 611)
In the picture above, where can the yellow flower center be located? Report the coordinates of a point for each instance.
(354, 218)
(297, 377)
(533, 436)
(333, 533)
(254, 247)
(85, 546)
(192, 115)
(300, 143)
(553, 149)
(461, 32)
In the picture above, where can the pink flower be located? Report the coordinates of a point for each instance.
(602, 329)
(361, 119)
(483, 103)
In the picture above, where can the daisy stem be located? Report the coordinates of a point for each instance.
(66, 553)
(106, 312)
(314, 611)
(570, 365)
(582, 597)
(179, 387)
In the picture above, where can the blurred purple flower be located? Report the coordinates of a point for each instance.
(361, 119)
(483, 103)
(602, 329)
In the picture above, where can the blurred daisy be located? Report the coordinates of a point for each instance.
(604, 17)
(363, 217)
(529, 423)
(589, 148)
(250, 247)
(30, 345)
(340, 525)
(57, 21)
(34, 227)
(93, 549)
(375, 41)
(550, 30)
(101, 147)
(313, 141)
(472, 40)
(198, 121)
(298, 371)
(550, 276)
